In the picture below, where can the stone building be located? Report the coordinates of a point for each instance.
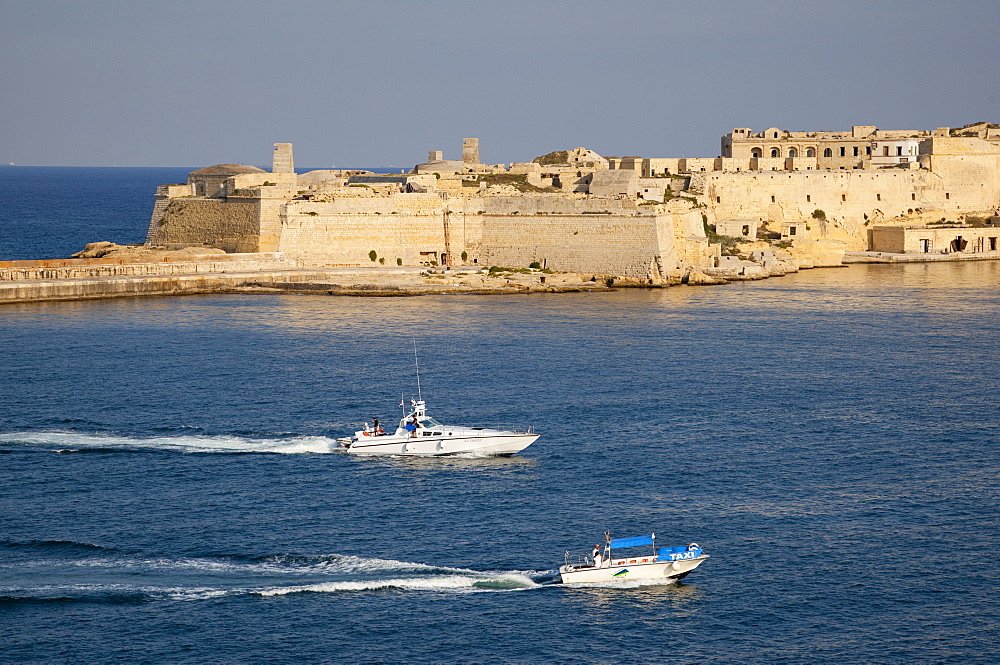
(942, 239)
(211, 181)
(831, 150)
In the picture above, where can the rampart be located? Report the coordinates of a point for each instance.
(642, 217)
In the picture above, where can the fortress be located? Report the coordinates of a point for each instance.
(814, 195)
(771, 203)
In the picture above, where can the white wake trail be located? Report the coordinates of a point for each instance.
(66, 442)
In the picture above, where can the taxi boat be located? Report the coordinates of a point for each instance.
(664, 563)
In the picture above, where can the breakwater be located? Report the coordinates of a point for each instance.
(86, 279)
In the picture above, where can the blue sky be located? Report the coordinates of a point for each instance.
(381, 82)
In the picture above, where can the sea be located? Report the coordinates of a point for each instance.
(170, 491)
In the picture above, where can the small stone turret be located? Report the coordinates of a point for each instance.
(283, 161)
(470, 151)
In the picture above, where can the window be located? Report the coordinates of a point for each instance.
(947, 195)
(828, 153)
(878, 197)
(756, 153)
(993, 244)
(776, 135)
(843, 197)
(772, 198)
(809, 198)
(885, 151)
(792, 153)
(792, 230)
(868, 151)
(899, 150)
(855, 151)
(843, 151)
(810, 152)
(913, 197)
(774, 152)
(718, 199)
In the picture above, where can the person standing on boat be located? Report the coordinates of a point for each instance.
(377, 427)
(598, 559)
(411, 426)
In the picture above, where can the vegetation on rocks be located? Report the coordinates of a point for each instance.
(519, 181)
(728, 243)
(553, 158)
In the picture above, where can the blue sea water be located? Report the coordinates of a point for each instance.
(52, 212)
(830, 439)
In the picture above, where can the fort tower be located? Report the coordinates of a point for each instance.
(283, 161)
(470, 151)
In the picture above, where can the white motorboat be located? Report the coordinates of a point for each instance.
(420, 434)
(664, 563)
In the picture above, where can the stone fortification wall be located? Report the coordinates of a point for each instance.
(607, 244)
(554, 205)
(230, 224)
(689, 239)
(610, 236)
(410, 227)
(854, 196)
(968, 170)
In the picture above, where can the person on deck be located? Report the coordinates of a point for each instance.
(377, 427)
(411, 426)
(598, 559)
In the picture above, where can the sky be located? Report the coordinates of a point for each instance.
(382, 82)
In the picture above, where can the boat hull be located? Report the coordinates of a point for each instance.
(625, 570)
(498, 444)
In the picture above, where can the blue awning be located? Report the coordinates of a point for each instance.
(634, 541)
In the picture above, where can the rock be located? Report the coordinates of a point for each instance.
(99, 250)
(695, 277)
(94, 250)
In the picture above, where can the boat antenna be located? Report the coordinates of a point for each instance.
(416, 363)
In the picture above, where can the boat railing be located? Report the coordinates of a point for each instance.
(577, 561)
(506, 427)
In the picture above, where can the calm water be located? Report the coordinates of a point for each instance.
(829, 437)
(51, 212)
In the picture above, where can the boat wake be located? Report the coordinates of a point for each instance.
(60, 571)
(77, 442)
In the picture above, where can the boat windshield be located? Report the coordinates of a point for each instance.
(430, 422)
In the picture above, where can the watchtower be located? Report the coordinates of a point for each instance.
(283, 162)
(470, 151)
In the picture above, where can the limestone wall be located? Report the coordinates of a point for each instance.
(968, 170)
(410, 227)
(231, 225)
(574, 243)
(846, 195)
(608, 236)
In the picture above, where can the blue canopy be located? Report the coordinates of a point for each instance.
(634, 541)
